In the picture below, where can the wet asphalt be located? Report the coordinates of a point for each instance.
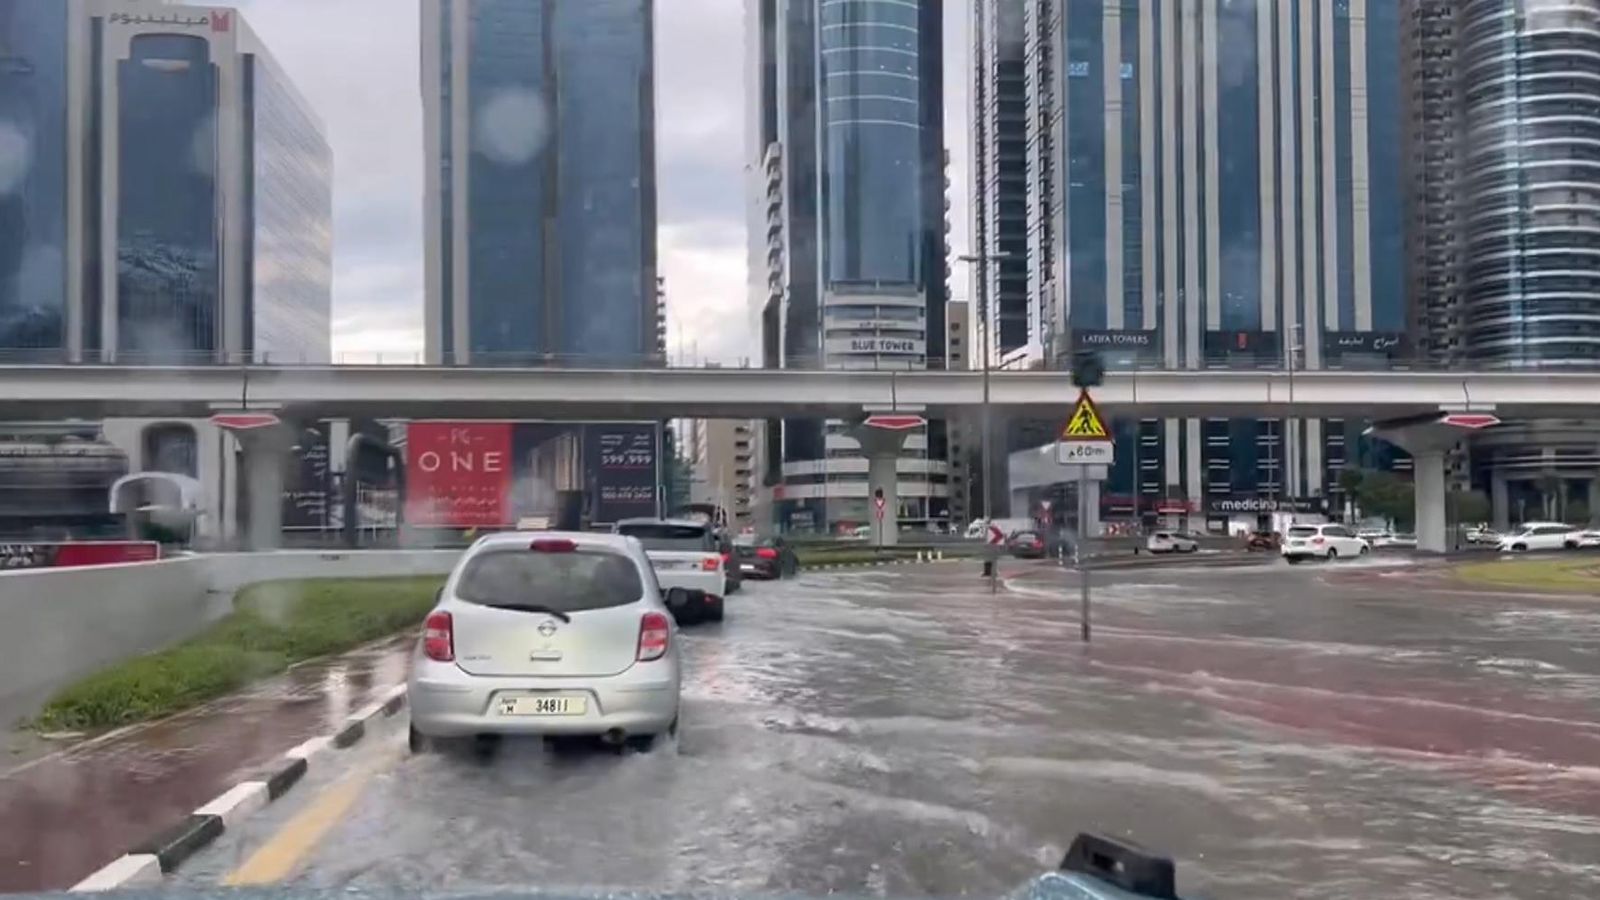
(1352, 731)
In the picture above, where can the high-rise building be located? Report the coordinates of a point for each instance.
(847, 227)
(722, 463)
(540, 181)
(1505, 202)
(1000, 175)
(1214, 183)
(165, 192)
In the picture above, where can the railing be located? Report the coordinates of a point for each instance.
(1114, 363)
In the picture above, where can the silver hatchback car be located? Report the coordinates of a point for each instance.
(549, 634)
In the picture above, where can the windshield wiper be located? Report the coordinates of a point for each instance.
(533, 608)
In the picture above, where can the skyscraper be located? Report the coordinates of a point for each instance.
(165, 192)
(847, 161)
(540, 182)
(1214, 183)
(1505, 203)
(1000, 172)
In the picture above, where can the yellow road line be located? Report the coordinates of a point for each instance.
(279, 857)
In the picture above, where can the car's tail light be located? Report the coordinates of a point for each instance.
(654, 632)
(711, 563)
(1318, 541)
(1038, 545)
(767, 553)
(553, 545)
(727, 558)
(439, 637)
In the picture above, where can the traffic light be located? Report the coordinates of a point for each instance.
(1087, 369)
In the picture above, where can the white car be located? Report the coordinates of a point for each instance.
(1170, 542)
(1329, 542)
(1584, 540)
(1481, 535)
(561, 633)
(1395, 541)
(688, 563)
(1537, 536)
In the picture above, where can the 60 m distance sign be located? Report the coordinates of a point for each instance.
(1085, 440)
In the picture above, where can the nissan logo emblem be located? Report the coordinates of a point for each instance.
(547, 627)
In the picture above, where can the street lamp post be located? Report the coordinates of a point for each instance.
(982, 260)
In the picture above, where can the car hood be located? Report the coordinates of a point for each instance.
(1050, 886)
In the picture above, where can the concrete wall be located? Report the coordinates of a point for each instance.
(58, 625)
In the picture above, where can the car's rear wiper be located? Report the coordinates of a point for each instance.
(533, 608)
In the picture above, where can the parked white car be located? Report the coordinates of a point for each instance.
(1537, 536)
(1481, 535)
(1170, 542)
(1329, 542)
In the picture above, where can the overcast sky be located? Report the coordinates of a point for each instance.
(356, 61)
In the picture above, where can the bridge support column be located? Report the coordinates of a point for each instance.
(1428, 438)
(264, 452)
(1433, 532)
(1500, 502)
(881, 447)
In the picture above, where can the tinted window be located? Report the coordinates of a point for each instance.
(1302, 531)
(663, 536)
(568, 582)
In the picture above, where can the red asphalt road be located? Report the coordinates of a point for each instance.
(64, 816)
(1543, 749)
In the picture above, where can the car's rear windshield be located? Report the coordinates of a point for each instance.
(663, 536)
(1302, 531)
(565, 582)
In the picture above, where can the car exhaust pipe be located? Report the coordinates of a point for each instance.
(614, 738)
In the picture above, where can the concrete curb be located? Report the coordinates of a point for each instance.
(146, 863)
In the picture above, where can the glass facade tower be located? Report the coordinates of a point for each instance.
(539, 121)
(1216, 183)
(33, 176)
(846, 132)
(165, 193)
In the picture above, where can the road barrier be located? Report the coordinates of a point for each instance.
(59, 625)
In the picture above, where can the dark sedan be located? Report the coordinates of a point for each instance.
(769, 558)
(1026, 545)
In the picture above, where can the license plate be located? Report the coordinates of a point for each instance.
(1297, 543)
(543, 706)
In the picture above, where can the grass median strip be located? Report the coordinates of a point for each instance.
(273, 625)
(1567, 575)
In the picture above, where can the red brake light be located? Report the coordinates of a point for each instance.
(654, 632)
(553, 545)
(1037, 544)
(727, 558)
(439, 637)
(1316, 540)
(711, 563)
(767, 553)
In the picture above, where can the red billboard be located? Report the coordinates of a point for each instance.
(458, 474)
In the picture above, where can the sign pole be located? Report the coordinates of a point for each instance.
(1083, 559)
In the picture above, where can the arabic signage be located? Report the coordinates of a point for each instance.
(495, 474)
(219, 20)
(306, 489)
(1386, 343)
(1223, 506)
(622, 463)
(1092, 339)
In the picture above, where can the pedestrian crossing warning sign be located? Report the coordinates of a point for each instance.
(1085, 423)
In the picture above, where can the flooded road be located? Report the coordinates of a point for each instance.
(1280, 733)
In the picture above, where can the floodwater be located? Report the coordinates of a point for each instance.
(1327, 732)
